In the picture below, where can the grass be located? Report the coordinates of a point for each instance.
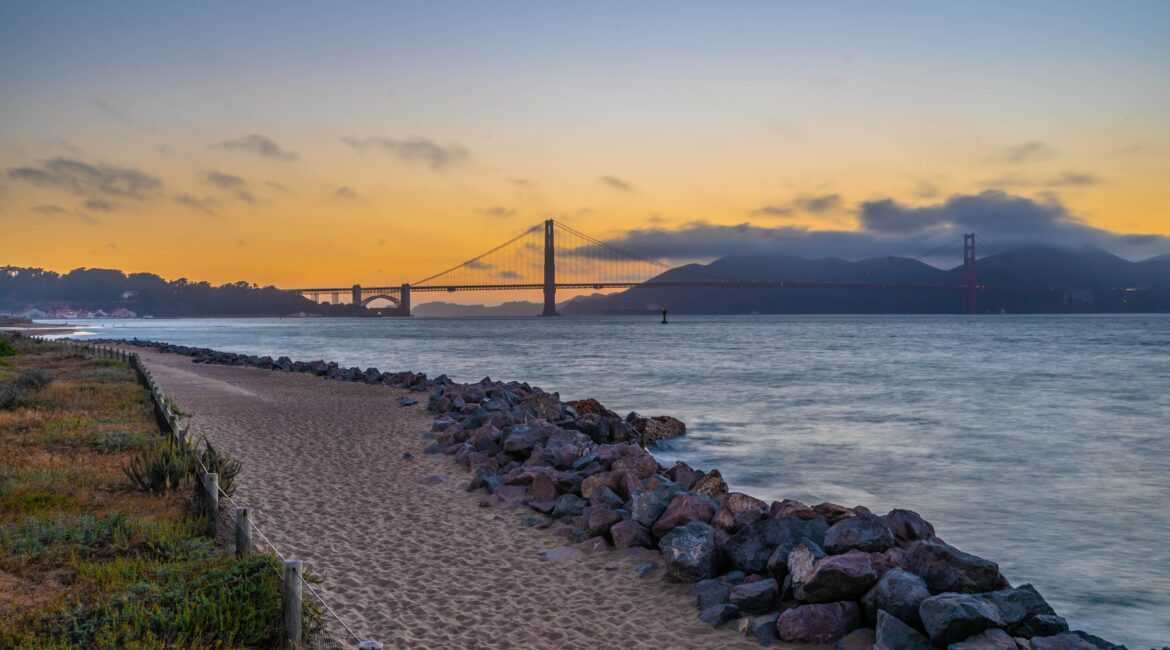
(87, 560)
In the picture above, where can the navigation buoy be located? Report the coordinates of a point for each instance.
(664, 316)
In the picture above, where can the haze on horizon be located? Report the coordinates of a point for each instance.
(376, 144)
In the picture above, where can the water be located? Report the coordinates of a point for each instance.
(1039, 442)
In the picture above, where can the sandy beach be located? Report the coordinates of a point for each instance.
(406, 556)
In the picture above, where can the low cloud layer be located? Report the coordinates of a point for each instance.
(415, 151)
(887, 227)
(231, 184)
(258, 145)
(87, 179)
(1025, 152)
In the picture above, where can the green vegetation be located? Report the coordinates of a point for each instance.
(6, 349)
(99, 548)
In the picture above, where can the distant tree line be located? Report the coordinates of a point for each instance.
(147, 293)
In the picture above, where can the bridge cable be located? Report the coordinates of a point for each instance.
(479, 257)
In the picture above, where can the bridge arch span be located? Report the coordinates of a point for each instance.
(387, 297)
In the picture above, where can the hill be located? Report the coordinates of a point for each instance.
(1027, 280)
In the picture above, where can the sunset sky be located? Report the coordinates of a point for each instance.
(379, 142)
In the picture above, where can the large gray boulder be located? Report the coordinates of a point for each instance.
(755, 597)
(837, 577)
(752, 547)
(711, 592)
(890, 633)
(908, 526)
(865, 532)
(951, 617)
(818, 623)
(946, 568)
(993, 639)
(898, 592)
(689, 552)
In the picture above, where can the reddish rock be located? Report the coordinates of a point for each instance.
(542, 489)
(629, 533)
(682, 509)
(723, 520)
(818, 623)
(682, 474)
(745, 509)
(606, 479)
(599, 520)
(584, 406)
(833, 512)
(711, 485)
(791, 508)
(908, 526)
(888, 560)
(641, 465)
(658, 427)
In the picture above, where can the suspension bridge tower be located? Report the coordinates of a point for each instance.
(969, 270)
(550, 270)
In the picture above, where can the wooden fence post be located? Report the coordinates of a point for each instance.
(243, 532)
(292, 601)
(211, 487)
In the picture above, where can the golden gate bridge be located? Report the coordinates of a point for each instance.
(552, 255)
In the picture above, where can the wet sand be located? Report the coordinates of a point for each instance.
(404, 558)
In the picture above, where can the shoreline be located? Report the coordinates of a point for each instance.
(810, 574)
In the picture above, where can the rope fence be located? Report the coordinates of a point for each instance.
(174, 423)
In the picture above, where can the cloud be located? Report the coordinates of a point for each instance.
(615, 183)
(206, 205)
(498, 212)
(346, 193)
(230, 183)
(58, 211)
(415, 150)
(99, 205)
(477, 264)
(820, 204)
(1065, 179)
(85, 179)
(1001, 221)
(258, 145)
(508, 275)
(1026, 152)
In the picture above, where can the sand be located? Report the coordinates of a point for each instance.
(410, 561)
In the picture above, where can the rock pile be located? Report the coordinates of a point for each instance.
(786, 570)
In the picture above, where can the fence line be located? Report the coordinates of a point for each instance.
(172, 423)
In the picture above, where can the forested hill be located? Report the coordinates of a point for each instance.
(147, 294)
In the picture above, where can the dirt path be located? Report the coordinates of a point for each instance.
(410, 563)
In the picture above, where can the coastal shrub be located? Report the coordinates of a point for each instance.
(15, 392)
(159, 468)
(6, 347)
(218, 462)
(113, 442)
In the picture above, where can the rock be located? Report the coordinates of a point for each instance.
(682, 509)
(893, 634)
(744, 509)
(600, 519)
(755, 597)
(629, 533)
(711, 485)
(647, 506)
(791, 508)
(1019, 603)
(863, 533)
(1070, 641)
(946, 568)
(802, 562)
(689, 552)
(406, 455)
(718, 614)
(711, 592)
(758, 547)
(1039, 625)
(683, 475)
(898, 592)
(598, 481)
(837, 577)
(641, 464)
(603, 496)
(908, 526)
(860, 639)
(952, 617)
(762, 628)
(833, 512)
(542, 488)
(656, 428)
(993, 639)
(818, 623)
(568, 505)
(405, 401)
